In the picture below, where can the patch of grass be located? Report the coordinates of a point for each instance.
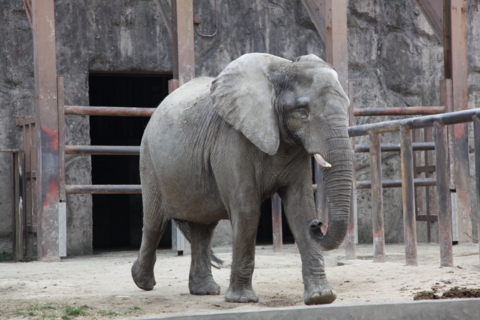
(48, 307)
(108, 313)
(66, 318)
(6, 256)
(74, 311)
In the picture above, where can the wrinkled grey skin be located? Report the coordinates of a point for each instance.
(216, 148)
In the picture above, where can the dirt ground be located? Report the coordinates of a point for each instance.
(100, 286)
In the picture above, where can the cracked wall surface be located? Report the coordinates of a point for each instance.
(394, 61)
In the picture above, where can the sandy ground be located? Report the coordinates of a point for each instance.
(101, 286)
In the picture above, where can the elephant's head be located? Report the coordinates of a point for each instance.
(302, 103)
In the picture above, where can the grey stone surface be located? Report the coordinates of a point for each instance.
(440, 309)
(394, 61)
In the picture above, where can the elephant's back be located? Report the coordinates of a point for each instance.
(180, 136)
(173, 106)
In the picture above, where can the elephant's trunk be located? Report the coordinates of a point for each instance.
(338, 187)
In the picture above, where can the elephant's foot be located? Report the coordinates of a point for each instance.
(241, 295)
(204, 287)
(144, 279)
(319, 294)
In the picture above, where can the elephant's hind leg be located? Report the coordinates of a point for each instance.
(154, 222)
(201, 280)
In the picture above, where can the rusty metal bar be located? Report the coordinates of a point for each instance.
(377, 198)
(455, 68)
(408, 197)
(414, 123)
(444, 211)
(61, 136)
(395, 147)
(277, 223)
(109, 111)
(62, 205)
(351, 237)
(46, 118)
(336, 44)
(476, 130)
(103, 150)
(367, 112)
(104, 189)
(183, 41)
(366, 184)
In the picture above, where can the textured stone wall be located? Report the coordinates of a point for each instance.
(394, 61)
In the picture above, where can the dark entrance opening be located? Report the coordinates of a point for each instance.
(117, 219)
(265, 231)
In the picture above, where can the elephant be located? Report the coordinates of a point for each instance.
(216, 148)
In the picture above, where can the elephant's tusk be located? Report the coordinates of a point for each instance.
(321, 161)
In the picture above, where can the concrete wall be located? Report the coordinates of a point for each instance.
(394, 61)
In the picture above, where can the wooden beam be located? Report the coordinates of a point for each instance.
(46, 119)
(433, 12)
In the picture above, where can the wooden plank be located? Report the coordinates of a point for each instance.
(46, 119)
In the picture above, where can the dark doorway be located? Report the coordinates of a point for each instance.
(265, 231)
(117, 219)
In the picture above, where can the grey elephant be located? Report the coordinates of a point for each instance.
(216, 148)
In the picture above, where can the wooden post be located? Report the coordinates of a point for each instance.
(46, 119)
(277, 223)
(444, 211)
(408, 197)
(377, 198)
(455, 68)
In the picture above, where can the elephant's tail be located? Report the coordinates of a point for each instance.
(185, 229)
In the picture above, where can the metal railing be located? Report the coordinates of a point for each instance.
(442, 173)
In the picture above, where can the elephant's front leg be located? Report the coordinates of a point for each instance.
(301, 215)
(244, 225)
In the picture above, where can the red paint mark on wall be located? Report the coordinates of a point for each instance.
(459, 130)
(53, 137)
(51, 192)
(377, 234)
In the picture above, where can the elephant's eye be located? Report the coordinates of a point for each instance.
(302, 112)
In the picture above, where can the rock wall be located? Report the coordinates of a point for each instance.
(394, 61)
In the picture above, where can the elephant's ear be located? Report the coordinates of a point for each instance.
(243, 96)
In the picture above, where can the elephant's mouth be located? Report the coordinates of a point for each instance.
(321, 161)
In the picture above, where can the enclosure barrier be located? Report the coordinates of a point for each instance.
(405, 126)
(18, 196)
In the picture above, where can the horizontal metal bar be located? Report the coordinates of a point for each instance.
(103, 150)
(11, 150)
(398, 111)
(414, 123)
(104, 189)
(396, 183)
(109, 111)
(395, 147)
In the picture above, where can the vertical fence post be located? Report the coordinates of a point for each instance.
(377, 198)
(476, 129)
(47, 188)
(408, 197)
(277, 223)
(443, 196)
(62, 205)
(19, 205)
